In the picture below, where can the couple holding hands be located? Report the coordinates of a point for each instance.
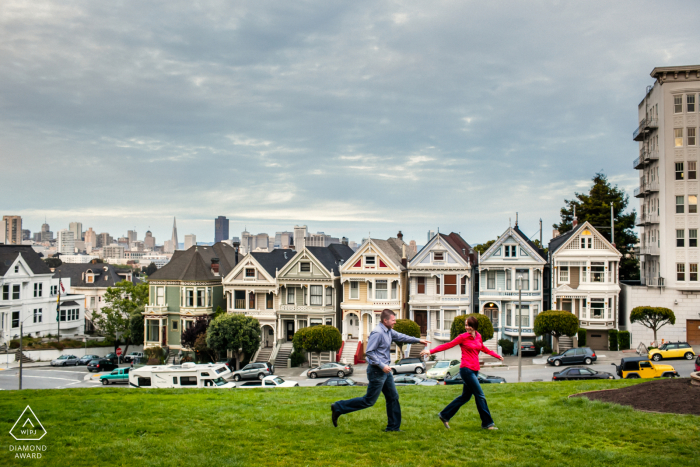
(381, 380)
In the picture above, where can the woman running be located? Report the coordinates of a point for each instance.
(471, 344)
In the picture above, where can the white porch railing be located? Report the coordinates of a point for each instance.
(507, 293)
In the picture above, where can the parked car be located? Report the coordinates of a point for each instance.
(528, 346)
(697, 363)
(87, 359)
(112, 357)
(252, 371)
(268, 382)
(440, 369)
(133, 356)
(408, 365)
(330, 369)
(672, 350)
(580, 372)
(642, 367)
(101, 365)
(119, 375)
(414, 380)
(572, 356)
(341, 382)
(483, 379)
(65, 360)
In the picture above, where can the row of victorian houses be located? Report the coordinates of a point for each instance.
(286, 290)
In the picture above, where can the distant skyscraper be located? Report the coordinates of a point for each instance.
(104, 239)
(46, 234)
(283, 240)
(300, 233)
(190, 241)
(131, 235)
(90, 238)
(66, 242)
(149, 241)
(77, 229)
(220, 229)
(431, 234)
(413, 247)
(173, 240)
(13, 230)
(26, 234)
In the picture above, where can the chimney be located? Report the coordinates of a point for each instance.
(555, 233)
(404, 261)
(215, 266)
(575, 221)
(344, 241)
(400, 237)
(236, 246)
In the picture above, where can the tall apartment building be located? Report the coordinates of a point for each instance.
(149, 241)
(113, 251)
(320, 239)
(668, 192)
(13, 230)
(190, 240)
(131, 235)
(46, 233)
(300, 234)
(77, 229)
(104, 239)
(66, 242)
(90, 238)
(220, 229)
(283, 240)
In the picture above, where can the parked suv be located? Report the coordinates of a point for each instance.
(252, 371)
(641, 367)
(408, 365)
(133, 356)
(672, 350)
(581, 355)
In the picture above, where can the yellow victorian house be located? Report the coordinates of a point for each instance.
(373, 279)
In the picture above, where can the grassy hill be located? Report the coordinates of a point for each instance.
(538, 425)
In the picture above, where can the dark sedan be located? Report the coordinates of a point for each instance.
(87, 359)
(580, 372)
(341, 382)
(414, 380)
(330, 369)
(483, 379)
(101, 364)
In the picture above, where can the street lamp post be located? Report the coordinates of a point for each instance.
(21, 329)
(519, 279)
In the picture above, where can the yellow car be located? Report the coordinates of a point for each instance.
(641, 367)
(672, 350)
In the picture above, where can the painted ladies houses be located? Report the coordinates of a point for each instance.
(374, 278)
(585, 271)
(187, 287)
(440, 279)
(512, 256)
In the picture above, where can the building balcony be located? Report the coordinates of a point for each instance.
(307, 308)
(654, 281)
(437, 299)
(646, 156)
(508, 293)
(156, 309)
(638, 193)
(651, 187)
(651, 250)
(645, 126)
(647, 219)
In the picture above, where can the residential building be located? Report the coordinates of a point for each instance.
(669, 121)
(77, 229)
(113, 251)
(159, 260)
(440, 285)
(90, 239)
(283, 240)
(250, 243)
(320, 239)
(513, 279)
(189, 286)
(66, 242)
(149, 241)
(28, 294)
(78, 258)
(300, 234)
(104, 239)
(220, 229)
(190, 241)
(12, 230)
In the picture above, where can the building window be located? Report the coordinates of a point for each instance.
(38, 290)
(315, 322)
(16, 269)
(316, 295)
(597, 309)
(160, 296)
(690, 102)
(329, 321)
(450, 284)
(680, 238)
(586, 241)
(679, 205)
(509, 317)
(382, 292)
(250, 272)
(509, 277)
(251, 301)
(438, 256)
(269, 301)
(305, 267)
(525, 278)
(420, 284)
(680, 271)
(692, 170)
(522, 315)
(693, 272)
(92, 303)
(677, 104)
(37, 315)
(536, 277)
(678, 137)
(152, 330)
(200, 297)
(563, 274)
(437, 285)
(447, 318)
(693, 237)
(15, 292)
(239, 299)
(597, 273)
(15, 319)
(354, 289)
(394, 290)
(174, 325)
(329, 296)
(510, 251)
(693, 203)
(290, 295)
(491, 279)
(464, 285)
(369, 260)
(691, 136)
(5, 292)
(679, 171)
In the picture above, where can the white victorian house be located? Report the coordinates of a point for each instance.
(513, 255)
(440, 282)
(585, 271)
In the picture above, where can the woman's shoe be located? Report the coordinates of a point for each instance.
(444, 422)
(492, 427)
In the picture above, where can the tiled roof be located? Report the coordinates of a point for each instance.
(106, 275)
(393, 249)
(194, 264)
(557, 242)
(273, 260)
(331, 255)
(9, 253)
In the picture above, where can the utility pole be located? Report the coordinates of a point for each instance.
(520, 326)
(58, 308)
(21, 331)
(541, 245)
(612, 225)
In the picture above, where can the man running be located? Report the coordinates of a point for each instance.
(378, 355)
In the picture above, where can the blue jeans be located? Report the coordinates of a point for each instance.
(378, 382)
(471, 387)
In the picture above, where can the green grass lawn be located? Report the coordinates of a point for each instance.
(538, 425)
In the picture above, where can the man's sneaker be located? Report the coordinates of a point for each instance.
(492, 427)
(444, 422)
(393, 431)
(334, 416)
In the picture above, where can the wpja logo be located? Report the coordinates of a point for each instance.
(28, 428)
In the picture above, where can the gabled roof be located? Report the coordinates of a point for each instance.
(557, 242)
(194, 264)
(9, 253)
(392, 248)
(273, 260)
(521, 234)
(330, 257)
(515, 232)
(77, 277)
(458, 244)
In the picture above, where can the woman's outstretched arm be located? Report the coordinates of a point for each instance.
(445, 346)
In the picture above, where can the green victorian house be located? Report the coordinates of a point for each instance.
(187, 287)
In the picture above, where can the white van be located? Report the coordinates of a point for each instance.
(187, 375)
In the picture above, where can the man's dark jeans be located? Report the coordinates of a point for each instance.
(378, 382)
(471, 387)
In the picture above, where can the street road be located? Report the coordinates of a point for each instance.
(48, 377)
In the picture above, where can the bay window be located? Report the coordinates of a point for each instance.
(450, 284)
(382, 292)
(316, 295)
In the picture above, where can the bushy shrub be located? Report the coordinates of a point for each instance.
(506, 346)
(612, 339)
(485, 326)
(156, 355)
(556, 322)
(581, 337)
(318, 339)
(539, 344)
(297, 357)
(623, 338)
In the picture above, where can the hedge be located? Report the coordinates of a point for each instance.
(612, 339)
(506, 346)
(623, 338)
(556, 322)
(485, 326)
(321, 338)
(581, 337)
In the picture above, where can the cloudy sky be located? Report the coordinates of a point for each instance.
(349, 117)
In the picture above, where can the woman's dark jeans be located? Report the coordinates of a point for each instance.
(471, 387)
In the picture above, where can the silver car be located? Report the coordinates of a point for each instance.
(414, 380)
(252, 371)
(64, 360)
(331, 369)
(408, 365)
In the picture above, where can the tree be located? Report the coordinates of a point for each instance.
(53, 262)
(189, 335)
(114, 319)
(238, 333)
(136, 326)
(594, 207)
(485, 326)
(482, 247)
(151, 269)
(408, 327)
(557, 323)
(652, 317)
